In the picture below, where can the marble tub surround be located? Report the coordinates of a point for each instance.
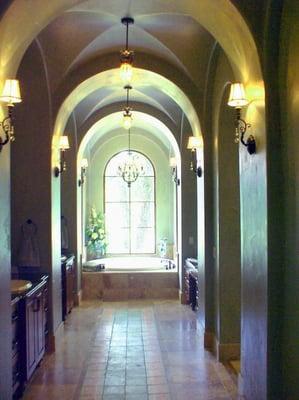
(118, 286)
(133, 350)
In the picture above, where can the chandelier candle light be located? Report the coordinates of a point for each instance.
(131, 168)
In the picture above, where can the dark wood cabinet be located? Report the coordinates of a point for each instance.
(67, 285)
(17, 386)
(35, 322)
(191, 284)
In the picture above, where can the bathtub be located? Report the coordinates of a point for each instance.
(130, 278)
(133, 264)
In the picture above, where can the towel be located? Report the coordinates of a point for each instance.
(28, 255)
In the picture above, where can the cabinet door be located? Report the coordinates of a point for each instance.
(30, 335)
(70, 288)
(39, 326)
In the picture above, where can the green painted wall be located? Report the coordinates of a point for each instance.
(289, 89)
(227, 261)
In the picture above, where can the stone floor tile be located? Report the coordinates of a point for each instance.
(136, 389)
(132, 350)
(114, 390)
(158, 389)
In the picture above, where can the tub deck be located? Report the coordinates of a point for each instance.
(118, 286)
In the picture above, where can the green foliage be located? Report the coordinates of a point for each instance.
(95, 231)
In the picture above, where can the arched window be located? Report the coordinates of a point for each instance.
(130, 209)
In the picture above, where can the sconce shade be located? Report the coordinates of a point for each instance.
(64, 143)
(84, 163)
(172, 162)
(237, 97)
(11, 92)
(126, 72)
(195, 142)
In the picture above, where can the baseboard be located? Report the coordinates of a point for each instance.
(227, 351)
(55, 338)
(78, 298)
(182, 297)
(222, 351)
(209, 341)
(241, 386)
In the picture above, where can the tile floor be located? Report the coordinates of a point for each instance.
(145, 350)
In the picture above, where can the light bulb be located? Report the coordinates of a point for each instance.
(126, 72)
(127, 120)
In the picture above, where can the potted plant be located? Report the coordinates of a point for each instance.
(96, 234)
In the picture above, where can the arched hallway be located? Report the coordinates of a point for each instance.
(135, 350)
(238, 217)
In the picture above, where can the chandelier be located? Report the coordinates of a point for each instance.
(127, 112)
(131, 168)
(126, 55)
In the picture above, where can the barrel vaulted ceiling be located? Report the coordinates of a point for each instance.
(92, 33)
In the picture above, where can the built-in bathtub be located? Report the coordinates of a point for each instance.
(133, 264)
(126, 278)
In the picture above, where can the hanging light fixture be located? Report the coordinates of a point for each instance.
(126, 55)
(131, 168)
(127, 112)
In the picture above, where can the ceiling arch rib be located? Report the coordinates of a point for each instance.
(111, 78)
(104, 126)
(97, 100)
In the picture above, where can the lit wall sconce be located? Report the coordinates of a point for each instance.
(63, 146)
(238, 100)
(11, 94)
(194, 143)
(174, 170)
(84, 166)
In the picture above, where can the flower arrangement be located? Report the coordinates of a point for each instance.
(95, 232)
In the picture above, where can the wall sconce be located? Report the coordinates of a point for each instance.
(238, 100)
(195, 142)
(84, 166)
(11, 94)
(63, 146)
(174, 170)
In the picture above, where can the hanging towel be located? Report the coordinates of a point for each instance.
(29, 252)
(64, 233)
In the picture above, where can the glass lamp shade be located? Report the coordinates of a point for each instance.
(172, 162)
(194, 142)
(237, 97)
(127, 120)
(126, 72)
(84, 163)
(64, 143)
(11, 92)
